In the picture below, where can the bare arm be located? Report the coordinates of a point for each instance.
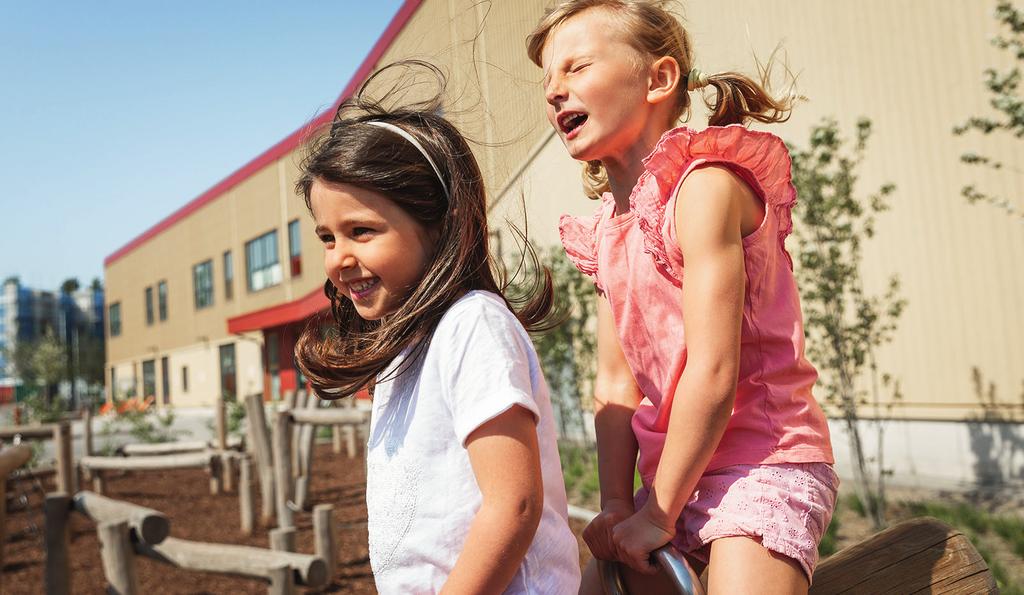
(713, 211)
(506, 462)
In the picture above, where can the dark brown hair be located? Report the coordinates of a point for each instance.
(350, 354)
(655, 32)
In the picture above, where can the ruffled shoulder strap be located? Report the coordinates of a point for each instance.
(579, 238)
(761, 158)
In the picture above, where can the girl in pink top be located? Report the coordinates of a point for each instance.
(701, 367)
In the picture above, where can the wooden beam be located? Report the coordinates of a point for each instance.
(28, 431)
(57, 540)
(62, 453)
(329, 416)
(148, 525)
(118, 558)
(246, 496)
(244, 560)
(164, 448)
(144, 463)
(325, 543)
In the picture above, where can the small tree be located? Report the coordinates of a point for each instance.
(1008, 103)
(568, 353)
(844, 325)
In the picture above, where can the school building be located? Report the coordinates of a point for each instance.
(220, 313)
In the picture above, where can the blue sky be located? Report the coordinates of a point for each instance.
(114, 114)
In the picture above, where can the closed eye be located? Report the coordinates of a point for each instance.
(579, 67)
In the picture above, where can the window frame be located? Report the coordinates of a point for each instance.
(202, 287)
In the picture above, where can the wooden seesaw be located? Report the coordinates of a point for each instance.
(922, 555)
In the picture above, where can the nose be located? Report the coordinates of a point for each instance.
(554, 91)
(338, 259)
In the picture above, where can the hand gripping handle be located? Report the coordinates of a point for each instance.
(672, 565)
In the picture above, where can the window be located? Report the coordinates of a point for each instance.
(149, 305)
(294, 249)
(148, 379)
(202, 284)
(229, 276)
(161, 298)
(261, 262)
(115, 319)
(184, 379)
(228, 384)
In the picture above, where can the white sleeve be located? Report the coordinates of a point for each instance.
(486, 367)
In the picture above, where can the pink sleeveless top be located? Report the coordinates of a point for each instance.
(636, 263)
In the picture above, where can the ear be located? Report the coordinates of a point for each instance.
(662, 79)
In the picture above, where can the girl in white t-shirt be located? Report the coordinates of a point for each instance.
(464, 487)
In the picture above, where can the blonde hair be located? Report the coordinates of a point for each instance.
(655, 32)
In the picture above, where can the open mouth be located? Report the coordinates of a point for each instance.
(570, 122)
(363, 287)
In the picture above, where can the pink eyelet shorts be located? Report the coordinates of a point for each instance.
(788, 506)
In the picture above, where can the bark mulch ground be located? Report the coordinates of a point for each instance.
(183, 495)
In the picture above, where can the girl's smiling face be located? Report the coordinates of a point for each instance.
(595, 84)
(375, 253)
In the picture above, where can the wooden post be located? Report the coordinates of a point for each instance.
(215, 475)
(282, 580)
(301, 400)
(282, 539)
(227, 465)
(246, 495)
(118, 558)
(57, 574)
(289, 400)
(336, 439)
(350, 440)
(282, 468)
(97, 481)
(323, 535)
(62, 451)
(259, 440)
(87, 430)
(306, 441)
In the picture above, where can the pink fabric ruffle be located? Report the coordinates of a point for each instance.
(762, 155)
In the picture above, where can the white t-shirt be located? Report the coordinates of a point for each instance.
(421, 494)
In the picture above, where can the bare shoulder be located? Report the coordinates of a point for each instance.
(714, 183)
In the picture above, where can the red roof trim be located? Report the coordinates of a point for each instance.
(280, 149)
(280, 314)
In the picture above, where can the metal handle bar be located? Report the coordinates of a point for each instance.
(672, 564)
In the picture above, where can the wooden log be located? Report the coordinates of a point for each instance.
(259, 445)
(215, 475)
(282, 468)
(145, 463)
(27, 432)
(323, 534)
(12, 457)
(246, 496)
(164, 448)
(282, 539)
(222, 558)
(147, 525)
(62, 452)
(57, 573)
(289, 399)
(919, 555)
(118, 558)
(87, 431)
(282, 580)
(328, 416)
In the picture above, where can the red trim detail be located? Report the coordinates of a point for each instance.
(290, 142)
(280, 314)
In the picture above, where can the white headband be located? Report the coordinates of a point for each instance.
(412, 140)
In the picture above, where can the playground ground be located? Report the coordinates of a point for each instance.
(183, 495)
